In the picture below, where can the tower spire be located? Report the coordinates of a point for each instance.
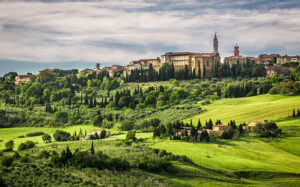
(215, 45)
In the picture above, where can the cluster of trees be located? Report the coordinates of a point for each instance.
(269, 129)
(152, 97)
(26, 145)
(185, 131)
(167, 72)
(247, 89)
(249, 69)
(84, 159)
(286, 88)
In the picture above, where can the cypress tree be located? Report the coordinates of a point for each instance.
(294, 114)
(199, 125)
(86, 99)
(92, 148)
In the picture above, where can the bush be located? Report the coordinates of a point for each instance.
(26, 145)
(9, 145)
(46, 138)
(7, 161)
(34, 134)
(61, 116)
(60, 135)
(126, 126)
(97, 121)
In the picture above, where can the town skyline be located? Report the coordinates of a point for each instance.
(68, 34)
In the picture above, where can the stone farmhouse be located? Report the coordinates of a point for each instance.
(22, 79)
(216, 131)
(252, 124)
(98, 131)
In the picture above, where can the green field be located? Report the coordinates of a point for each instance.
(263, 107)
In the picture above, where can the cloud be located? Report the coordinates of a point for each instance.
(120, 31)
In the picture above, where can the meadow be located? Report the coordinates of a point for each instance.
(245, 109)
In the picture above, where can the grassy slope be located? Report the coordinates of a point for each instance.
(244, 155)
(7, 134)
(246, 109)
(290, 142)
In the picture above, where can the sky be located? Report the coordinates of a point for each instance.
(67, 34)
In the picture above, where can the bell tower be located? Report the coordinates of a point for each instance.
(236, 50)
(215, 45)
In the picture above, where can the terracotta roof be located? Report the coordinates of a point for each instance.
(48, 70)
(204, 55)
(179, 53)
(221, 125)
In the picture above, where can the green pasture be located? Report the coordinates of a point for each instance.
(290, 141)
(241, 155)
(263, 107)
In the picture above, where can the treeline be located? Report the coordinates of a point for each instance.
(246, 89)
(167, 72)
(179, 130)
(140, 98)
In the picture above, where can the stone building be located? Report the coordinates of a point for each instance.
(265, 58)
(22, 79)
(286, 59)
(98, 131)
(277, 70)
(194, 61)
(237, 58)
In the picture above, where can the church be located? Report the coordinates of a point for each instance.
(202, 63)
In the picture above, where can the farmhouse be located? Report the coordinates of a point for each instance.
(252, 124)
(221, 127)
(98, 131)
(21, 79)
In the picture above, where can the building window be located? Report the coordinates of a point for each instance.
(207, 63)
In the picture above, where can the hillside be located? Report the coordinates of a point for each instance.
(263, 107)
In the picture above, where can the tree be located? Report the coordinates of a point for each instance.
(60, 135)
(241, 130)
(199, 125)
(204, 135)
(9, 145)
(294, 113)
(61, 116)
(92, 148)
(97, 121)
(154, 122)
(102, 134)
(131, 136)
(98, 65)
(298, 113)
(46, 138)
(7, 161)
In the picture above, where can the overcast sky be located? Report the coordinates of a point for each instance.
(76, 34)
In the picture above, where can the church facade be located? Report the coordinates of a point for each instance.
(202, 63)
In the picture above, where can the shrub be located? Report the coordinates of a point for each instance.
(46, 138)
(9, 145)
(61, 116)
(7, 161)
(97, 121)
(25, 159)
(60, 135)
(44, 154)
(26, 145)
(126, 125)
(34, 134)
